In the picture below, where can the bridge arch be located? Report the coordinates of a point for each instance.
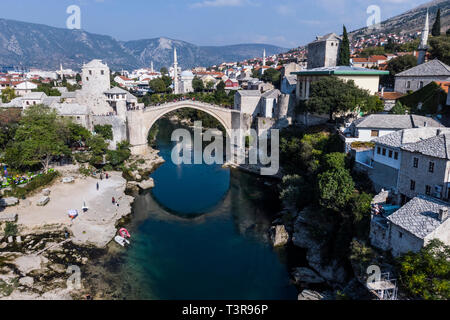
(141, 121)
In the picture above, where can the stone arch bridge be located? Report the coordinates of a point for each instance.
(140, 121)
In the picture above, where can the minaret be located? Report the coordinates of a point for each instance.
(264, 57)
(175, 72)
(152, 67)
(423, 46)
(61, 72)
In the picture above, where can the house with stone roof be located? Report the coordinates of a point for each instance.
(411, 227)
(418, 77)
(387, 155)
(372, 126)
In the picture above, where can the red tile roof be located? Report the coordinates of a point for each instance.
(444, 85)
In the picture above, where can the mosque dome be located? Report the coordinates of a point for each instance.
(187, 74)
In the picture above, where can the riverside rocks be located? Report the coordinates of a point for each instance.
(306, 295)
(279, 236)
(25, 275)
(307, 275)
(43, 201)
(8, 202)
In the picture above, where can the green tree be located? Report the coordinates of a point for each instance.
(436, 30)
(197, 84)
(336, 187)
(8, 94)
(209, 85)
(440, 48)
(120, 155)
(105, 131)
(77, 134)
(78, 78)
(41, 135)
(373, 104)
(9, 121)
(167, 81)
(330, 95)
(401, 63)
(158, 85)
(295, 190)
(448, 32)
(344, 50)
(97, 147)
(398, 108)
(164, 71)
(426, 274)
(273, 76)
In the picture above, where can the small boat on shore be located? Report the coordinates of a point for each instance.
(124, 233)
(121, 241)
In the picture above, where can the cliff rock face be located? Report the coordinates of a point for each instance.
(27, 45)
(333, 271)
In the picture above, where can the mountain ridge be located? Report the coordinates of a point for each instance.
(412, 20)
(38, 45)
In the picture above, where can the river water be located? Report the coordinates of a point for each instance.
(201, 233)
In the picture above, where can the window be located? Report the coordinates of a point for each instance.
(408, 85)
(87, 78)
(428, 190)
(413, 185)
(390, 153)
(431, 167)
(374, 133)
(400, 235)
(90, 72)
(420, 84)
(396, 155)
(416, 163)
(102, 72)
(378, 150)
(384, 151)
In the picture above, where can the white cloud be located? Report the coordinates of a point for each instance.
(222, 3)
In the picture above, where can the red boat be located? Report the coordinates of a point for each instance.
(124, 233)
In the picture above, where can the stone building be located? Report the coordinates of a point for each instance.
(411, 227)
(364, 78)
(323, 52)
(418, 77)
(425, 168)
(387, 155)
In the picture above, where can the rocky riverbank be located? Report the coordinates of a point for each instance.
(47, 257)
(323, 278)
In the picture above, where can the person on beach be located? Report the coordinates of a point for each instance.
(107, 176)
(98, 186)
(113, 200)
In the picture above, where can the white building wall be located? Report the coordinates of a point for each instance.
(386, 160)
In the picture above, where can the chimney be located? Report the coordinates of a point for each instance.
(382, 92)
(443, 214)
(438, 132)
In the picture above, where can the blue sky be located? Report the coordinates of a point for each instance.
(287, 23)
